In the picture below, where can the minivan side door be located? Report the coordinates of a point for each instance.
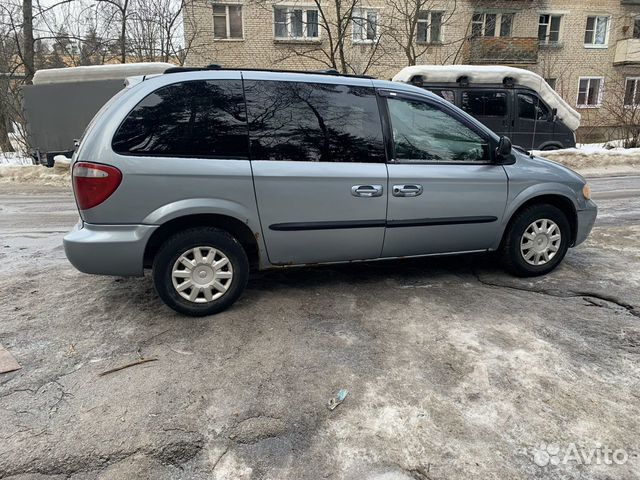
(492, 107)
(446, 194)
(318, 160)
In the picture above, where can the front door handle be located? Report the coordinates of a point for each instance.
(366, 190)
(411, 190)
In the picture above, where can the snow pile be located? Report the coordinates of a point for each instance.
(98, 72)
(12, 158)
(493, 74)
(35, 174)
(589, 156)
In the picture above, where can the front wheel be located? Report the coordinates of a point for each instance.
(200, 271)
(536, 241)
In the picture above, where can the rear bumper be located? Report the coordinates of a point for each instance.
(108, 249)
(586, 219)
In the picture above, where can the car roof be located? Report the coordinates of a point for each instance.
(322, 77)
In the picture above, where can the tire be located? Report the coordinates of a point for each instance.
(549, 148)
(516, 246)
(214, 246)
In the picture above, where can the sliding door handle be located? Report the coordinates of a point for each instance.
(366, 190)
(412, 190)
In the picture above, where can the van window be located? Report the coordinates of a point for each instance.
(485, 103)
(308, 122)
(531, 107)
(189, 119)
(448, 95)
(424, 133)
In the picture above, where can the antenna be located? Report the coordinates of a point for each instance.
(535, 114)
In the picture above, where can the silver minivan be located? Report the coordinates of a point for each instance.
(203, 174)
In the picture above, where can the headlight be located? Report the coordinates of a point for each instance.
(586, 191)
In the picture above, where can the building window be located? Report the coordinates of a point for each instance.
(491, 24)
(636, 27)
(551, 82)
(597, 31)
(590, 91)
(632, 92)
(549, 29)
(227, 21)
(365, 25)
(429, 27)
(295, 23)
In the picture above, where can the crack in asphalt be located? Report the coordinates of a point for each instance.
(632, 309)
(173, 453)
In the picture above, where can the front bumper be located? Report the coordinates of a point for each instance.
(586, 219)
(108, 249)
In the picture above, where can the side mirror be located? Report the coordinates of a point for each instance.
(504, 147)
(554, 114)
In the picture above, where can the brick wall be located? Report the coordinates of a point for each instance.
(566, 62)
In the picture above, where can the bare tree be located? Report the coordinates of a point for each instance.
(415, 25)
(119, 8)
(335, 20)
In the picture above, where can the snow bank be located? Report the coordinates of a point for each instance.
(494, 74)
(35, 174)
(11, 158)
(591, 156)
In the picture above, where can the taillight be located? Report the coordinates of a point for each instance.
(94, 183)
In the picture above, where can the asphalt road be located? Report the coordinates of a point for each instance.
(454, 369)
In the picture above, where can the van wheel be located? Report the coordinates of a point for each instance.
(200, 271)
(536, 241)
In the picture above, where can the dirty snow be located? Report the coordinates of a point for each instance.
(35, 174)
(593, 158)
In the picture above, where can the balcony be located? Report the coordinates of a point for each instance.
(627, 52)
(502, 50)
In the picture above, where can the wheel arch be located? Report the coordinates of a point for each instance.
(560, 201)
(237, 228)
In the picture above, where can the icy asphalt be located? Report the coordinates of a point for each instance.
(454, 369)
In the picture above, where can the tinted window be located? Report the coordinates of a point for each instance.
(485, 103)
(446, 94)
(422, 132)
(190, 119)
(313, 122)
(531, 107)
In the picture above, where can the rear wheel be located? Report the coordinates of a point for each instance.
(200, 271)
(536, 241)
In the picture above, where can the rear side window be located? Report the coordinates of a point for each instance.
(313, 122)
(190, 119)
(485, 103)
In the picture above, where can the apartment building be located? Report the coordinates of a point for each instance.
(589, 51)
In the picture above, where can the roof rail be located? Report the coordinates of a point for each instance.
(213, 66)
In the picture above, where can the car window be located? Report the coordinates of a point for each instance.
(530, 107)
(448, 95)
(189, 119)
(485, 103)
(422, 132)
(308, 122)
